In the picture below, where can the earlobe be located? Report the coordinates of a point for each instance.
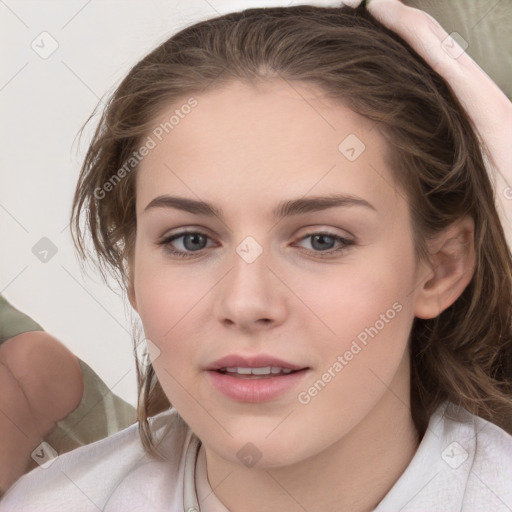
(453, 262)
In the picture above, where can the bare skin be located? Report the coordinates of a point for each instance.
(41, 383)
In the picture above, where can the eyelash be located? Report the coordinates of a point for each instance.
(166, 243)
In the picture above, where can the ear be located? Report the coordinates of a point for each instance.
(452, 265)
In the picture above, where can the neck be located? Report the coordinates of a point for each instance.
(355, 473)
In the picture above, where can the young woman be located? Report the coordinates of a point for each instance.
(299, 210)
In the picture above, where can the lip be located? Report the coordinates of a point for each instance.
(256, 361)
(255, 389)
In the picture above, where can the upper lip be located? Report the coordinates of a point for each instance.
(257, 361)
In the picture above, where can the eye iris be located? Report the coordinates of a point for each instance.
(195, 237)
(315, 239)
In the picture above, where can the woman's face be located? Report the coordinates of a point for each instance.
(254, 283)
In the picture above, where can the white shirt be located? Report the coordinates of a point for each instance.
(462, 463)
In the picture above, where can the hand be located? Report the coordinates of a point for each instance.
(487, 106)
(41, 382)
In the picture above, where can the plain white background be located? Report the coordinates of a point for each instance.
(44, 101)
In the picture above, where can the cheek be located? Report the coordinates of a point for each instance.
(167, 296)
(168, 310)
(354, 296)
(368, 309)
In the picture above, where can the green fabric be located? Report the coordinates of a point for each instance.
(14, 322)
(100, 413)
(487, 28)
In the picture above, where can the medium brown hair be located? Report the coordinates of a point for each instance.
(465, 354)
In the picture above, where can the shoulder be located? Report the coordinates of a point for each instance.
(489, 460)
(463, 463)
(487, 441)
(106, 475)
(490, 477)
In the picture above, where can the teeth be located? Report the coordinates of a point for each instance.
(267, 370)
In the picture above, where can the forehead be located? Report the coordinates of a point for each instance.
(264, 141)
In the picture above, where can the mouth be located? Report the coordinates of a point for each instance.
(253, 364)
(255, 377)
(266, 372)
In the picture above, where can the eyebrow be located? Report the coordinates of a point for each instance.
(283, 209)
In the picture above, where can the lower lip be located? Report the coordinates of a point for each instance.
(255, 389)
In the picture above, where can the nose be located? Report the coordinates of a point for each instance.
(251, 296)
